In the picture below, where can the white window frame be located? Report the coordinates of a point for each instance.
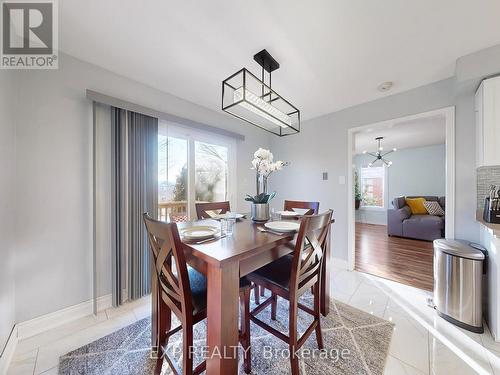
(171, 129)
(385, 187)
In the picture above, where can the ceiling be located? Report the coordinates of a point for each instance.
(333, 53)
(403, 134)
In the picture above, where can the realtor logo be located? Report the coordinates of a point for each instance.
(29, 34)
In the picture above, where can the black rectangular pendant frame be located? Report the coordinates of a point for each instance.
(270, 93)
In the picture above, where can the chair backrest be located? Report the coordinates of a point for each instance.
(309, 251)
(173, 279)
(202, 208)
(313, 207)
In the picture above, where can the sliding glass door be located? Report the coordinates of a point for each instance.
(193, 166)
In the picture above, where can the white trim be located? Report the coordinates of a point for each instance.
(47, 322)
(449, 113)
(8, 352)
(43, 323)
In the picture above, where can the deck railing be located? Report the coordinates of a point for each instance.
(176, 210)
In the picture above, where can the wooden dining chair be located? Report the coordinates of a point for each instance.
(312, 207)
(290, 277)
(183, 291)
(202, 209)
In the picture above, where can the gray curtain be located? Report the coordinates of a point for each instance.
(135, 191)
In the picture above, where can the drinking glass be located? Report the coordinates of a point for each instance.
(275, 215)
(227, 224)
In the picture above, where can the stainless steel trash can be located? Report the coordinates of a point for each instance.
(458, 278)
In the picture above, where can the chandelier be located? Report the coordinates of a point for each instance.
(253, 100)
(379, 155)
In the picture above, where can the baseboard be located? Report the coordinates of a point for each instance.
(46, 322)
(8, 351)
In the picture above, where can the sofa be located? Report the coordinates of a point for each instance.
(401, 222)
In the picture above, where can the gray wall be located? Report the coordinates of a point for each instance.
(7, 199)
(415, 171)
(322, 146)
(54, 179)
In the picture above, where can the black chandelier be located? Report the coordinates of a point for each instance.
(250, 99)
(379, 155)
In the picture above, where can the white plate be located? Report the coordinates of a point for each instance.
(288, 213)
(199, 232)
(283, 226)
(229, 215)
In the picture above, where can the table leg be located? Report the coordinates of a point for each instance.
(325, 279)
(222, 319)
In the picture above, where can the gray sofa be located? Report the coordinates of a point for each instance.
(401, 223)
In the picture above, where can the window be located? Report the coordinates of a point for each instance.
(193, 166)
(372, 181)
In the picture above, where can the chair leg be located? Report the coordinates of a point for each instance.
(187, 345)
(164, 325)
(262, 291)
(256, 294)
(293, 334)
(245, 330)
(317, 314)
(274, 305)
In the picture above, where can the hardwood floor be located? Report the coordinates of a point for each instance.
(400, 259)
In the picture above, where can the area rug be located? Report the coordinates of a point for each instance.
(355, 343)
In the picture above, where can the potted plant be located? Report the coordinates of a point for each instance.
(264, 166)
(357, 191)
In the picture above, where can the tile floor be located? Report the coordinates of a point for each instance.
(422, 342)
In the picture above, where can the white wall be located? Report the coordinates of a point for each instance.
(54, 206)
(322, 147)
(414, 171)
(7, 199)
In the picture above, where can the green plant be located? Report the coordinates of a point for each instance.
(357, 190)
(260, 198)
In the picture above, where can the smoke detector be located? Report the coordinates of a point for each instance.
(385, 86)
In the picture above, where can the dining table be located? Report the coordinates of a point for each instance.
(223, 261)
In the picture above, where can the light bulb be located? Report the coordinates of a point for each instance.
(394, 149)
(380, 148)
(370, 164)
(262, 108)
(364, 152)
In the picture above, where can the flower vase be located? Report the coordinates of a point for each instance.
(260, 212)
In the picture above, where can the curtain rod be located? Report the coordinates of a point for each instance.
(129, 106)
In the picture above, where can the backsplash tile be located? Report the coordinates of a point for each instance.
(486, 176)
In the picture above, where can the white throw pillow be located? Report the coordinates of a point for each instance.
(433, 208)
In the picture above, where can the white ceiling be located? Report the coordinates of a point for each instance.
(333, 53)
(408, 134)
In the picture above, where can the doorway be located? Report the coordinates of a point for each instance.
(385, 181)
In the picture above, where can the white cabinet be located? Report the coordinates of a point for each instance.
(487, 107)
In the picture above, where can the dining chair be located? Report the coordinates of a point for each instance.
(293, 275)
(183, 291)
(312, 207)
(202, 209)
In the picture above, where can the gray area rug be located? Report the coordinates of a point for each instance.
(355, 343)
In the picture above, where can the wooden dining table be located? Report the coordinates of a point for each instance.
(224, 261)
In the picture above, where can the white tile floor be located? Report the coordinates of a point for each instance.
(422, 342)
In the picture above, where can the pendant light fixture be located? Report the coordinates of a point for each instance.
(253, 100)
(379, 155)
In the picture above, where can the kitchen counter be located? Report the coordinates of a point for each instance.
(494, 227)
